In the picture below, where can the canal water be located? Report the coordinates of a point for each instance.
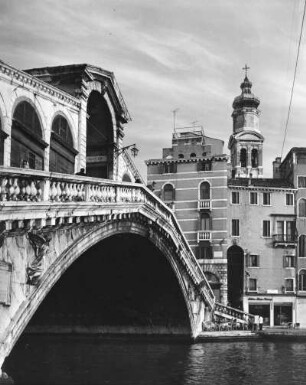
(94, 360)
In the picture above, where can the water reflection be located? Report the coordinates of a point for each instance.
(91, 360)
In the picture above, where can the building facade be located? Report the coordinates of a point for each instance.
(249, 233)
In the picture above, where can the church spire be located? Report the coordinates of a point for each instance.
(246, 141)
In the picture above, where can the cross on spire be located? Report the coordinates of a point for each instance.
(246, 68)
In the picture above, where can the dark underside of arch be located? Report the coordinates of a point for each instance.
(123, 282)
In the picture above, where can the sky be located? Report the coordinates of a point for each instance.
(176, 54)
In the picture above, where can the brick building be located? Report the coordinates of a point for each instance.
(248, 232)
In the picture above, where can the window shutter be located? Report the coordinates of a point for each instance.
(258, 260)
(247, 260)
(284, 261)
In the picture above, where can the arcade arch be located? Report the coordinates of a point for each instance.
(100, 137)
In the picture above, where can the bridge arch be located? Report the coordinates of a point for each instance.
(81, 240)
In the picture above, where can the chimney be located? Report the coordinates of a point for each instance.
(276, 167)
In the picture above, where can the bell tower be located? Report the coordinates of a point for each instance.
(246, 142)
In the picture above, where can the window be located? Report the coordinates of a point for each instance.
(181, 156)
(302, 208)
(302, 181)
(289, 285)
(252, 284)
(254, 158)
(253, 198)
(169, 193)
(193, 155)
(253, 260)
(169, 168)
(235, 197)
(266, 231)
(243, 157)
(205, 221)
(289, 199)
(204, 190)
(288, 261)
(285, 231)
(204, 252)
(266, 199)
(302, 280)
(302, 246)
(235, 228)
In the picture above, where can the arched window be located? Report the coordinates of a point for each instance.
(169, 193)
(302, 207)
(302, 280)
(302, 246)
(254, 158)
(62, 153)
(204, 190)
(181, 156)
(193, 155)
(27, 148)
(243, 157)
(205, 222)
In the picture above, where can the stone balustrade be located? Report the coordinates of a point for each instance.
(239, 315)
(31, 186)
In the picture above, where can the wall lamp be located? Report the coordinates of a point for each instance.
(133, 147)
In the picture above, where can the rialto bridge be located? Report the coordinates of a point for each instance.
(84, 245)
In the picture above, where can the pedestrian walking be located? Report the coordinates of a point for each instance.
(260, 322)
(256, 322)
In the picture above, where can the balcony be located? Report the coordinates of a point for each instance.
(204, 204)
(283, 240)
(204, 235)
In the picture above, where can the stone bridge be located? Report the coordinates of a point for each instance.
(49, 220)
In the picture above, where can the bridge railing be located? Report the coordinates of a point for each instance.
(239, 315)
(25, 185)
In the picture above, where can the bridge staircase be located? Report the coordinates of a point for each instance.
(230, 314)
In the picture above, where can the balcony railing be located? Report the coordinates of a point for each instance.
(204, 235)
(284, 239)
(204, 204)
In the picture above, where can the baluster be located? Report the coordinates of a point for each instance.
(16, 189)
(39, 190)
(53, 191)
(4, 189)
(63, 189)
(33, 192)
(99, 193)
(59, 191)
(10, 190)
(68, 192)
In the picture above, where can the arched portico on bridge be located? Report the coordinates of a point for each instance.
(67, 245)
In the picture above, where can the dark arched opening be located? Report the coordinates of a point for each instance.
(100, 137)
(62, 153)
(235, 269)
(126, 178)
(122, 281)
(27, 148)
(254, 158)
(3, 136)
(243, 157)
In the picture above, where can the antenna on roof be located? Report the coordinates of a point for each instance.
(174, 117)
